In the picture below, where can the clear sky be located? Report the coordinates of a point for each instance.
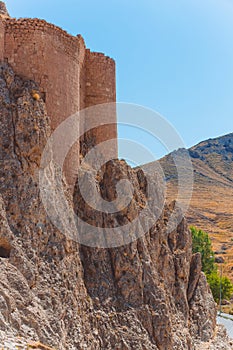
(174, 56)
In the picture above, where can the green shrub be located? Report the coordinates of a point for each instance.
(214, 280)
(202, 244)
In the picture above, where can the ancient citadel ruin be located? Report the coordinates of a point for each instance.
(56, 293)
(69, 75)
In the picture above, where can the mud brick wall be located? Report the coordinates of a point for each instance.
(101, 88)
(2, 39)
(70, 76)
(42, 52)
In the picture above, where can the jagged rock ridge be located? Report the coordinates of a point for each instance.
(3, 9)
(149, 294)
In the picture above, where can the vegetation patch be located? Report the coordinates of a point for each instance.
(220, 285)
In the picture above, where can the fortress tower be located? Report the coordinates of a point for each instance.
(70, 76)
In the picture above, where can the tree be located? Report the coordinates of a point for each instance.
(227, 288)
(202, 244)
(214, 280)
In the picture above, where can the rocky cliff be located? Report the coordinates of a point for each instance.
(148, 294)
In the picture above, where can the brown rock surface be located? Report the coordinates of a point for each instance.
(3, 9)
(143, 295)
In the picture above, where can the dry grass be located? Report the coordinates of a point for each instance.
(227, 309)
(211, 209)
(38, 346)
(35, 95)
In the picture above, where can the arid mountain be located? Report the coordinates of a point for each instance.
(211, 207)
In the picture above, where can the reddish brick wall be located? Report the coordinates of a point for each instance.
(82, 80)
(101, 88)
(2, 35)
(48, 55)
(70, 77)
(100, 79)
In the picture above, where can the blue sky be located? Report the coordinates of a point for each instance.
(175, 57)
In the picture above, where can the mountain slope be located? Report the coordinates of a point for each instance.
(211, 207)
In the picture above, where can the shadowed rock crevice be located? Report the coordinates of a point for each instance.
(5, 248)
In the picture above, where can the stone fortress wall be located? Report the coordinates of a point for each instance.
(70, 76)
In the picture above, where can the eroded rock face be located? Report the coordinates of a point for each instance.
(149, 294)
(3, 9)
(156, 278)
(43, 295)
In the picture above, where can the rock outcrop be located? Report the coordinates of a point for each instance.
(148, 294)
(3, 9)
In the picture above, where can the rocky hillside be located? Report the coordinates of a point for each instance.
(211, 206)
(148, 294)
